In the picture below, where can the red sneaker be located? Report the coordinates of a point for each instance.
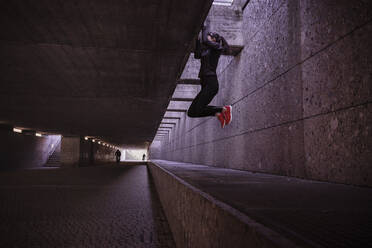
(221, 119)
(227, 114)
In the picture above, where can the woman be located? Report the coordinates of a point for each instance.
(209, 51)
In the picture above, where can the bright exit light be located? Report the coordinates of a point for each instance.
(38, 135)
(16, 130)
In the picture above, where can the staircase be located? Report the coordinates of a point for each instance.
(54, 159)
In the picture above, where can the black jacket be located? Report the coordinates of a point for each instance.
(209, 53)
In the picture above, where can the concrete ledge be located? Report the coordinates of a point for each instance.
(134, 162)
(199, 220)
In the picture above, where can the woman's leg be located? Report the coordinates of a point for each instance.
(199, 107)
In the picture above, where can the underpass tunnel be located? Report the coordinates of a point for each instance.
(99, 149)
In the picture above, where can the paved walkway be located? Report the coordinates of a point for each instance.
(311, 213)
(103, 206)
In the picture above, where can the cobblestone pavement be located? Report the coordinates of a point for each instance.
(103, 206)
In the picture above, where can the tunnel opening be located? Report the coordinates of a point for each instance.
(134, 155)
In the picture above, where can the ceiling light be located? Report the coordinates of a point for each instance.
(38, 134)
(223, 2)
(16, 130)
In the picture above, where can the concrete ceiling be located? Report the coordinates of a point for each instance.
(93, 67)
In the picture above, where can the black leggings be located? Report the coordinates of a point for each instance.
(199, 106)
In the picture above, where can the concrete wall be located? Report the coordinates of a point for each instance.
(103, 153)
(199, 220)
(20, 151)
(83, 152)
(301, 91)
(155, 150)
(70, 151)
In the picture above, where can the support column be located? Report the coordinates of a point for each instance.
(70, 151)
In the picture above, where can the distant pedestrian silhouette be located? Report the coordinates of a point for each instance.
(143, 157)
(117, 155)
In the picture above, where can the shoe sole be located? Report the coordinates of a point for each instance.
(230, 114)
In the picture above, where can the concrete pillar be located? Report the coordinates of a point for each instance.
(70, 151)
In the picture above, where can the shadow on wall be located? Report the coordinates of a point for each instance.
(19, 151)
(155, 150)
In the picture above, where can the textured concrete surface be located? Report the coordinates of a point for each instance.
(155, 150)
(94, 153)
(103, 206)
(309, 213)
(338, 146)
(191, 69)
(227, 21)
(186, 91)
(70, 151)
(199, 220)
(81, 68)
(301, 92)
(25, 151)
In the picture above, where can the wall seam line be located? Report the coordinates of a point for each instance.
(290, 68)
(280, 124)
